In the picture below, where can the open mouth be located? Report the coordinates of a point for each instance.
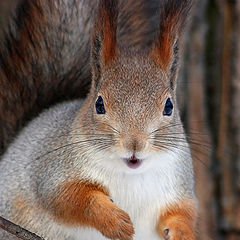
(133, 162)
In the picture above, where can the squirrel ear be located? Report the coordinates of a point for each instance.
(173, 15)
(103, 46)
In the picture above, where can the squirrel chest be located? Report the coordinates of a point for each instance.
(142, 195)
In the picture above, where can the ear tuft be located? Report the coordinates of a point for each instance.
(173, 16)
(103, 45)
(104, 36)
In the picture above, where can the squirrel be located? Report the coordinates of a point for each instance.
(45, 51)
(116, 165)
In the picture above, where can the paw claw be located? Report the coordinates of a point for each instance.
(166, 234)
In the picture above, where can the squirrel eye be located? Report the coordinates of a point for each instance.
(168, 108)
(100, 106)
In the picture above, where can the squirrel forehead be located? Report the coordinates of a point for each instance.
(131, 74)
(138, 91)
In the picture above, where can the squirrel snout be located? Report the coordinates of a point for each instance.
(134, 144)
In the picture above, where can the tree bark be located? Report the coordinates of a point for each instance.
(196, 124)
(18, 231)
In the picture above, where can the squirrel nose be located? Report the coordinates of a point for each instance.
(134, 144)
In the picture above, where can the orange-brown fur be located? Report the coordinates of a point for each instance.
(24, 210)
(87, 204)
(177, 222)
(107, 25)
(172, 19)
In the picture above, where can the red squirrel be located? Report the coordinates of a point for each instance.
(116, 165)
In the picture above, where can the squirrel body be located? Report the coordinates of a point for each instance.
(26, 182)
(116, 165)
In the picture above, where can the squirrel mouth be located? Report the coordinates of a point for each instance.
(133, 162)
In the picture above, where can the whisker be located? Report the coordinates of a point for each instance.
(81, 134)
(176, 146)
(183, 140)
(166, 127)
(83, 143)
(111, 127)
(181, 145)
(185, 134)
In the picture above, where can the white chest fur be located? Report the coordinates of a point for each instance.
(141, 195)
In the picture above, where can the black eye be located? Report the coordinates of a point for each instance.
(100, 106)
(168, 108)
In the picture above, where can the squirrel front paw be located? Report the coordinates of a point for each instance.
(87, 204)
(113, 222)
(177, 222)
(178, 231)
(117, 225)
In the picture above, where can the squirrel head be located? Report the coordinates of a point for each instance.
(132, 103)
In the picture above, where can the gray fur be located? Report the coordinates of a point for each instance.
(22, 168)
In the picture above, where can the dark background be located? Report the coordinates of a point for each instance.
(209, 97)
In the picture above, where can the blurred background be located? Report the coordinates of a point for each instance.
(209, 99)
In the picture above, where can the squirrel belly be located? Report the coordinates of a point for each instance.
(42, 158)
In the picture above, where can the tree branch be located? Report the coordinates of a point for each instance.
(18, 231)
